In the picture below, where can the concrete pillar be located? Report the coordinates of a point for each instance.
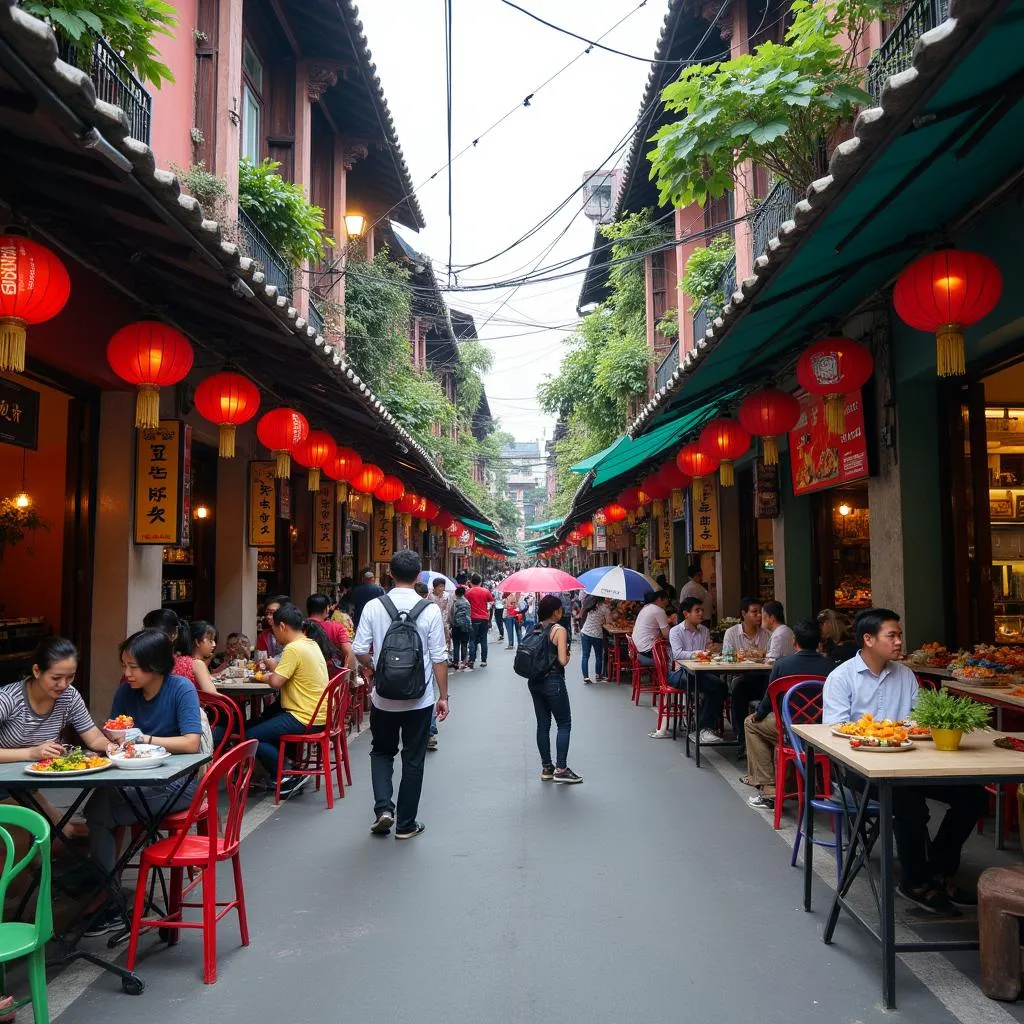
(229, 92)
(335, 284)
(302, 171)
(779, 555)
(727, 561)
(303, 559)
(235, 600)
(126, 577)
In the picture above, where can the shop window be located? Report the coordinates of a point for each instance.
(851, 560)
(252, 104)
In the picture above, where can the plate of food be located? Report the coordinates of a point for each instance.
(868, 731)
(876, 746)
(116, 728)
(73, 761)
(138, 756)
(917, 732)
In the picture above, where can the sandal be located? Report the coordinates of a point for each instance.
(748, 781)
(6, 1003)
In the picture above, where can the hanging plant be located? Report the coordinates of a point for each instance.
(16, 522)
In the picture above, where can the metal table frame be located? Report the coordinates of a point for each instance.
(691, 670)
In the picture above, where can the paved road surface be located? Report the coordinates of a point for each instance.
(649, 893)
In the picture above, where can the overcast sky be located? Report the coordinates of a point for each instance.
(520, 171)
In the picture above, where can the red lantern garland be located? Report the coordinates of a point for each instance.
(345, 464)
(389, 490)
(768, 414)
(367, 478)
(833, 367)
(696, 464)
(281, 430)
(657, 489)
(34, 288)
(946, 292)
(725, 440)
(315, 452)
(228, 400)
(149, 355)
(586, 529)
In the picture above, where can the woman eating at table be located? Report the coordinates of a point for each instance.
(165, 708)
(267, 641)
(186, 663)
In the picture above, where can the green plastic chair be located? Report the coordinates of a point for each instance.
(27, 940)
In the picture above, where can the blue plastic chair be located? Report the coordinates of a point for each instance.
(803, 704)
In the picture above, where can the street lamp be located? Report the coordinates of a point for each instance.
(355, 223)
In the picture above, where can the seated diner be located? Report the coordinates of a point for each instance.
(186, 664)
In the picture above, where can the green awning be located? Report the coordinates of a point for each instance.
(945, 139)
(588, 464)
(551, 524)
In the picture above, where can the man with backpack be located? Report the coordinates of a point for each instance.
(405, 634)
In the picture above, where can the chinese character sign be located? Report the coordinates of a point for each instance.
(678, 504)
(383, 534)
(705, 514)
(600, 537)
(262, 505)
(19, 415)
(664, 536)
(324, 510)
(159, 462)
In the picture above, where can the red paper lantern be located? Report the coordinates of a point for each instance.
(833, 367)
(586, 529)
(673, 477)
(34, 288)
(443, 520)
(431, 510)
(614, 513)
(768, 414)
(228, 400)
(367, 478)
(946, 292)
(315, 452)
(408, 504)
(345, 464)
(389, 490)
(694, 462)
(281, 430)
(575, 536)
(149, 355)
(454, 528)
(725, 440)
(629, 499)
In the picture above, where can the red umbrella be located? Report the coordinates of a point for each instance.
(539, 578)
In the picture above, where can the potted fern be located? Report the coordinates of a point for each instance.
(949, 717)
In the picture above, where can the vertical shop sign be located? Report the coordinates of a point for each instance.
(705, 514)
(187, 475)
(600, 537)
(284, 500)
(766, 491)
(382, 540)
(159, 486)
(678, 504)
(19, 415)
(324, 524)
(262, 500)
(664, 545)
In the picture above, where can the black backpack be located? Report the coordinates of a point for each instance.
(400, 674)
(536, 655)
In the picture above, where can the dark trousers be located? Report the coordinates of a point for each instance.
(595, 644)
(551, 700)
(460, 647)
(386, 727)
(499, 621)
(478, 638)
(714, 690)
(274, 722)
(748, 688)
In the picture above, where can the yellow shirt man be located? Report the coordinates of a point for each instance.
(302, 664)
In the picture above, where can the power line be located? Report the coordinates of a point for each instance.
(448, 102)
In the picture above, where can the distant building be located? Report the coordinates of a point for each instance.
(526, 466)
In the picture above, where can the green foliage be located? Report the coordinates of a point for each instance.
(475, 359)
(209, 189)
(668, 325)
(779, 106)
(279, 208)
(572, 448)
(939, 709)
(632, 237)
(16, 522)
(128, 25)
(704, 270)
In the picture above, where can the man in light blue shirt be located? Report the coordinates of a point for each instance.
(871, 682)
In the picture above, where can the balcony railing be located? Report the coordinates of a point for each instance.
(775, 209)
(273, 265)
(710, 308)
(896, 53)
(115, 83)
(666, 368)
(316, 318)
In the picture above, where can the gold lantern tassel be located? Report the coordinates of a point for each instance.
(835, 413)
(147, 407)
(282, 464)
(631, 517)
(771, 450)
(949, 353)
(406, 521)
(658, 507)
(226, 437)
(342, 492)
(389, 510)
(12, 344)
(725, 473)
(695, 490)
(313, 480)
(421, 525)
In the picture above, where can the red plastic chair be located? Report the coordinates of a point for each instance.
(671, 699)
(785, 755)
(615, 661)
(643, 675)
(317, 747)
(202, 852)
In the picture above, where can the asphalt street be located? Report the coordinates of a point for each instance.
(651, 892)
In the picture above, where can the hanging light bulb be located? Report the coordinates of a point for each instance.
(22, 500)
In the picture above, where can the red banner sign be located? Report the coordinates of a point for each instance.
(820, 461)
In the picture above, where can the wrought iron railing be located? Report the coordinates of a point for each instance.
(700, 321)
(711, 307)
(897, 51)
(114, 82)
(275, 269)
(667, 367)
(775, 209)
(316, 318)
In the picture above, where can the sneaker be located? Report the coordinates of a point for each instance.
(547, 772)
(483, 664)
(418, 828)
(760, 800)
(567, 775)
(431, 743)
(588, 681)
(109, 920)
(932, 900)
(709, 736)
(467, 668)
(382, 826)
(293, 785)
(961, 897)
(509, 647)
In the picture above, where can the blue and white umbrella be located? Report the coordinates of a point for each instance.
(617, 583)
(429, 577)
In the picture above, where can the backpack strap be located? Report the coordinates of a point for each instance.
(389, 607)
(414, 612)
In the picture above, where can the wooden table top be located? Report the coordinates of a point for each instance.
(726, 666)
(242, 686)
(619, 630)
(929, 670)
(977, 757)
(987, 694)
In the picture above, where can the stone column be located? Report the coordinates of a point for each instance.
(727, 561)
(303, 559)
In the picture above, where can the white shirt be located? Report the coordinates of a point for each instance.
(647, 631)
(737, 640)
(685, 642)
(782, 643)
(852, 690)
(694, 589)
(374, 623)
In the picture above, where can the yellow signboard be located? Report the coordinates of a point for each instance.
(159, 462)
(324, 510)
(262, 510)
(678, 504)
(705, 514)
(665, 535)
(382, 542)
(359, 507)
